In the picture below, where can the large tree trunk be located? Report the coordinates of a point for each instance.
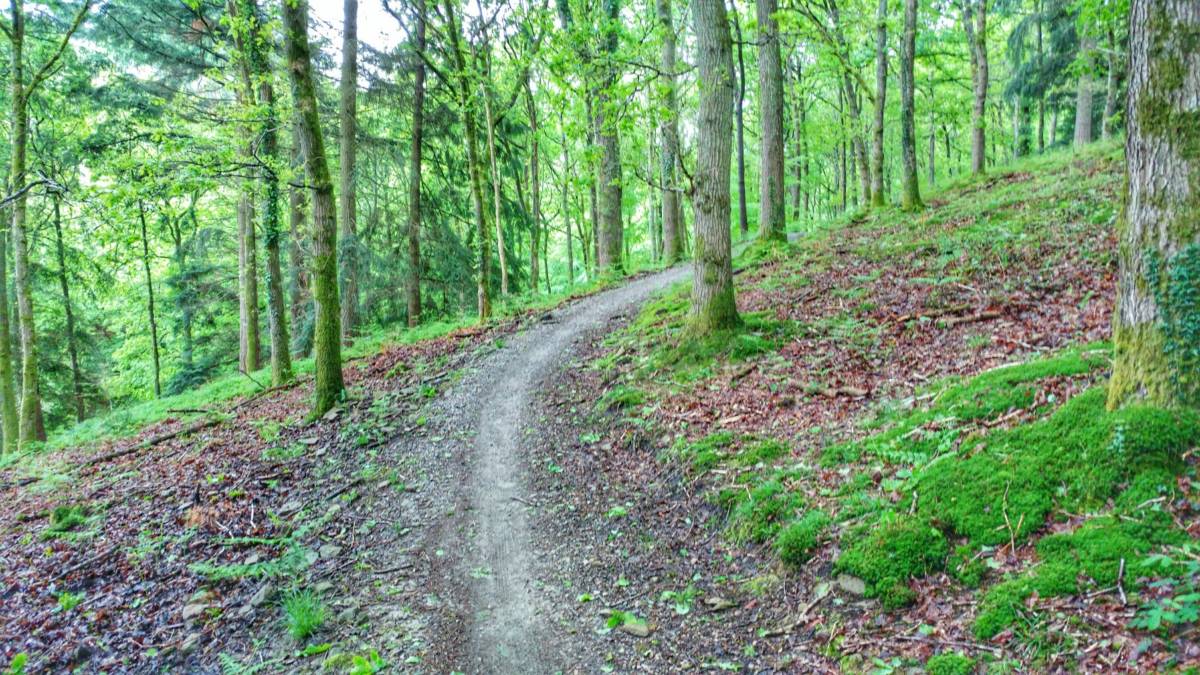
(300, 297)
(413, 290)
(910, 189)
(150, 301)
(713, 306)
(348, 147)
(739, 111)
(772, 208)
(483, 295)
(1083, 96)
(1155, 326)
(671, 210)
(327, 343)
(878, 194)
(611, 233)
(68, 311)
(975, 24)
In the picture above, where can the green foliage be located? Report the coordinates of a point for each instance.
(1175, 284)
(1179, 572)
(760, 513)
(895, 550)
(17, 665)
(706, 453)
(303, 614)
(797, 540)
(293, 560)
(950, 663)
(68, 601)
(620, 398)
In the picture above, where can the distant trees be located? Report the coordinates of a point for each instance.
(1156, 325)
(772, 208)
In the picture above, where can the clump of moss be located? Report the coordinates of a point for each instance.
(759, 515)
(706, 453)
(765, 452)
(66, 519)
(899, 548)
(797, 540)
(950, 663)
(620, 398)
(967, 567)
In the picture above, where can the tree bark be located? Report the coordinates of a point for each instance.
(497, 216)
(300, 294)
(878, 194)
(975, 24)
(1083, 96)
(713, 305)
(535, 188)
(611, 233)
(739, 116)
(150, 301)
(68, 312)
(772, 208)
(669, 132)
(858, 145)
(910, 189)
(327, 343)
(348, 147)
(9, 419)
(1156, 325)
(1041, 130)
(413, 290)
(1110, 97)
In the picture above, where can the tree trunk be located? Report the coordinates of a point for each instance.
(483, 295)
(249, 356)
(975, 24)
(497, 216)
(150, 300)
(327, 343)
(858, 145)
(9, 421)
(1156, 325)
(413, 290)
(300, 295)
(1110, 97)
(1083, 96)
(739, 113)
(1041, 130)
(535, 188)
(671, 226)
(772, 208)
(910, 189)
(72, 350)
(878, 195)
(610, 235)
(713, 306)
(348, 147)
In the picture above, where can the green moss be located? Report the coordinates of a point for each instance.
(762, 512)
(796, 542)
(706, 453)
(620, 398)
(950, 663)
(898, 549)
(1141, 369)
(764, 452)
(968, 568)
(65, 519)
(895, 594)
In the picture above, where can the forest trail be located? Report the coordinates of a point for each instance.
(504, 629)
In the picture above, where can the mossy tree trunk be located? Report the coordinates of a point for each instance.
(535, 188)
(974, 19)
(671, 211)
(413, 289)
(910, 189)
(1157, 320)
(739, 112)
(772, 207)
(1083, 95)
(68, 311)
(713, 307)
(327, 343)
(611, 233)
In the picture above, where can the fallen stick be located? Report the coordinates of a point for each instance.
(973, 318)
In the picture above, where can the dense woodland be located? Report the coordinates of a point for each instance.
(170, 175)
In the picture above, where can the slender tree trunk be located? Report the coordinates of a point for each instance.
(713, 305)
(483, 294)
(1041, 130)
(535, 188)
(301, 299)
(910, 192)
(413, 290)
(1157, 314)
(327, 331)
(858, 145)
(150, 300)
(878, 194)
(497, 216)
(249, 356)
(68, 312)
(610, 235)
(975, 24)
(348, 147)
(1110, 97)
(590, 240)
(772, 209)
(739, 113)
(1083, 96)
(671, 225)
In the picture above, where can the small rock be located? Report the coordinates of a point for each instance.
(323, 587)
(718, 604)
(349, 616)
(252, 559)
(193, 610)
(262, 595)
(290, 506)
(329, 551)
(190, 643)
(311, 557)
(851, 584)
(635, 628)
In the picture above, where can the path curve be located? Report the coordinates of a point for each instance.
(503, 626)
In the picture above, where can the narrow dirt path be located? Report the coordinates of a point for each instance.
(484, 555)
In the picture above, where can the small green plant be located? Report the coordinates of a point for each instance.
(303, 613)
(1181, 606)
(799, 537)
(17, 665)
(368, 664)
(683, 600)
(68, 601)
(950, 663)
(65, 520)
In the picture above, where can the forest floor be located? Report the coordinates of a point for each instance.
(585, 490)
